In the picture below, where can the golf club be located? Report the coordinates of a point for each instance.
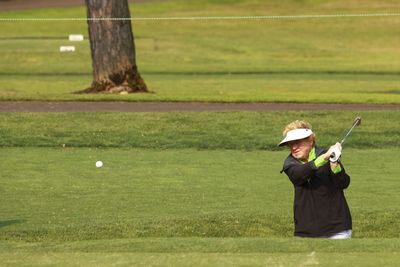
(357, 121)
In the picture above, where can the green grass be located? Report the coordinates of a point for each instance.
(181, 206)
(61, 196)
(341, 60)
(207, 252)
(205, 130)
(183, 189)
(360, 88)
(203, 259)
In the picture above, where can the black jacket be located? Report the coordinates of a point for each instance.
(320, 208)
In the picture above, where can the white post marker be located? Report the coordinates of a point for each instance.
(76, 37)
(67, 48)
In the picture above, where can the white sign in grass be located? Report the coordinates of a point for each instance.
(76, 37)
(67, 48)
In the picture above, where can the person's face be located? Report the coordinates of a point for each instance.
(301, 148)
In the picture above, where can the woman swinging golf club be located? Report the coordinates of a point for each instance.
(319, 178)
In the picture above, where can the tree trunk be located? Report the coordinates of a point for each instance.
(112, 48)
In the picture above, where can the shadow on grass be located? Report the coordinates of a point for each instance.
(10, 222)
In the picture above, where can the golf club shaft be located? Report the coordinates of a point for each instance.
(357, 121)
(351, 129)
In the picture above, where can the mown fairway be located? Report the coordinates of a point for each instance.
(60, 196)
(182, 207)
(341, 60)
(208, 198)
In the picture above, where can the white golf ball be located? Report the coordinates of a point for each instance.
(99, 164)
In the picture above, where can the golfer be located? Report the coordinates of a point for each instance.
(320, 208)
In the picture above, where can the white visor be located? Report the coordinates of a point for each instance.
(296, 134)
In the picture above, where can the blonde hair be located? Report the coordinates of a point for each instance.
(297, 124)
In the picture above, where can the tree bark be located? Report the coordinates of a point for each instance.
(112, 48)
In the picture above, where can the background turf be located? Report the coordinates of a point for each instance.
(340, 60)
(205, 130)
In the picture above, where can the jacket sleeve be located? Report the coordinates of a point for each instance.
(300, 173)
(341, 179)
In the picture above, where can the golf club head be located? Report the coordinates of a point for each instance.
(357, 121)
